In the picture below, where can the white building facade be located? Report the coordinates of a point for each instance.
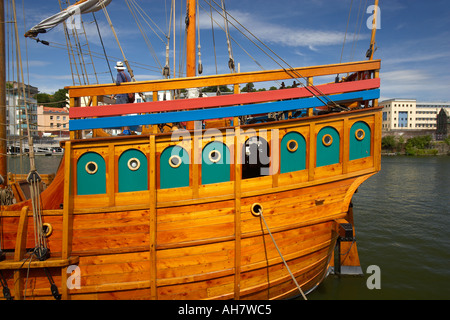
(408, 114)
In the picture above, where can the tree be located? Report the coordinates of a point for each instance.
(249, 87)
(57, 100)
(43, 98)
(222, 88)
(388, 143)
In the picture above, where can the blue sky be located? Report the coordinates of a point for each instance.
(413, 42)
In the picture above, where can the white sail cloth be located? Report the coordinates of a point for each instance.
(83, 6)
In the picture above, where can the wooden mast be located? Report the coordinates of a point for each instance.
(191, 39)
(191, 43)
(3, 161)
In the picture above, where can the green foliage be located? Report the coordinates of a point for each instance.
(222, 88)
(249, 87)
(420, 146)
(43, 98)
(417, 146)
(57, 100)
(447, 140)
(388, 143)
(422, 142)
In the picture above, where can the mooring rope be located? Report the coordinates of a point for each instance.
(279, 252)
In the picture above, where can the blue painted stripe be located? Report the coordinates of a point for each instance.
(215, 113)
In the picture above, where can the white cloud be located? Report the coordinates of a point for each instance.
(278, 34)
(416, 58)
(416, 84)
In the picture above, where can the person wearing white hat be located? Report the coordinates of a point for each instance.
(122, 76)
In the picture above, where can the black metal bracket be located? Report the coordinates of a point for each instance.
(6, 291)
(345, 232)
(53, 287)
(42, 253)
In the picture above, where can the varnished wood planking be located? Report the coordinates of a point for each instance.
(102, 232)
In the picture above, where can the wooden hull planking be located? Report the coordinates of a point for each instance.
(200, 241)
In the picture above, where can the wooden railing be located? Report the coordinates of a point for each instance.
(217, 80)
(156, 112)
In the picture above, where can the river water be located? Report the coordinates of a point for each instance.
(402, 218)
(402, 221)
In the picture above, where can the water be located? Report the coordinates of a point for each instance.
(402, 218)
(44, 164)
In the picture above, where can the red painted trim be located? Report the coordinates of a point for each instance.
(226, 100)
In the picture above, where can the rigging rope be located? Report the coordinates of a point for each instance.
(358, 32)
(33, 179)
(103, 46)
(227, 32)
(294, 74)
(200, 65)
(346, 30)
(260, 212)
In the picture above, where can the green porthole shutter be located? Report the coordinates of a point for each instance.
(293, 153)
(360, 141)
(174, 168)
(91, 174)
(328, 147)
(215, 163)
(133, 169)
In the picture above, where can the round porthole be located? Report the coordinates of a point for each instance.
(360, 134)
(292, 145)
(327, 140)
(91, 167)
(215, 156)
(175, 161)
(134, 164)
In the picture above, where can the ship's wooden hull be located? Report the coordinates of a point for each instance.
(199, 241)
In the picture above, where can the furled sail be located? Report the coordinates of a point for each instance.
(80, 7)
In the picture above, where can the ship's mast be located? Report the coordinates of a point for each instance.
(3, 168)
(191, 39)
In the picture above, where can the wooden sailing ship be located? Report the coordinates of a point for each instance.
(224, 209)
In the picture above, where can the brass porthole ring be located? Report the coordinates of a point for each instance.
(91, 167)
(214, 156)
(134, 164)
(292, 145)
(47, 229)
(360, 134)
(175, 161)
(327, 140)
(256, 209)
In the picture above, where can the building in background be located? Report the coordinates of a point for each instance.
(53, 121)
(19, 97)
(408, 114)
